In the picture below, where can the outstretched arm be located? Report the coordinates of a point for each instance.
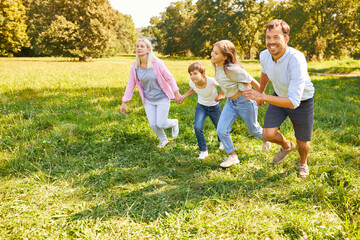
(255, 84)
(187, 94)
(264, 80)
(260, 97)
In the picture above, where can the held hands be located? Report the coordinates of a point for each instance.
(254, 95)
(219, 97)
(179, 98)
(260, 103)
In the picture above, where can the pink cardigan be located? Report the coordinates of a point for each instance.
(166, 81)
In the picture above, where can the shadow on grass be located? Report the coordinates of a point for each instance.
(80, 135)
(184, 194)
(51, 125)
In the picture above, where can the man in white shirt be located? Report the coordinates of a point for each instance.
(293, 94)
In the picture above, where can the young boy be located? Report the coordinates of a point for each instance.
(205, 87)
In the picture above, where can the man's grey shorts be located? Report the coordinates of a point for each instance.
(301, 117)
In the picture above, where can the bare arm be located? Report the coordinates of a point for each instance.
(255, 85)
(264, 80)
(274, 100)
(188, 93)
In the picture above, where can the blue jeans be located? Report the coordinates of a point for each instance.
(200, 115)
(248, 110)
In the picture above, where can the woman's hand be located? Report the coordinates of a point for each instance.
(122, 108)
(178, 98)
(181, 99)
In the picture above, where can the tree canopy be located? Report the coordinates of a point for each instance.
(319, 28)
(82, 29)
(322, 29)
(12, 27)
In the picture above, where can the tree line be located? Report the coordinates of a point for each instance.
(322, 29)
(69, 28)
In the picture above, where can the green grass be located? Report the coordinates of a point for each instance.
(73, 167)
(345, 66)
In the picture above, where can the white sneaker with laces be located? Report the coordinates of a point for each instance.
(303, 170)
(231, 160)
(203, 154)
(266, 146)
(221, 145)
(162, 144)
(175, 129)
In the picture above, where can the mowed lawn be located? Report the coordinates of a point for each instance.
(73, 167)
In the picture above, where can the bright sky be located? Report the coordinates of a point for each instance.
(141, 10)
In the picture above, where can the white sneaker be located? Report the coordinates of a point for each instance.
(231, 160)
(175, 129)
(162, 144)
(266, 146)
(203, 154)
(303, 170)
(221, 145)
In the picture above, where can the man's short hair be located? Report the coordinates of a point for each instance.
(278, 23)
(197, 66)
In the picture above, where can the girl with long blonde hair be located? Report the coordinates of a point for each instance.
(233, 80)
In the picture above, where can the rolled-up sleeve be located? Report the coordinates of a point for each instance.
(298, 75)
(130, 85)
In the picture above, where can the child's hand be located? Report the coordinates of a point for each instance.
(219, 97)
(181, 99)
(260, 103)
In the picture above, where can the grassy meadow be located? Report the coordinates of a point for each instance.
(73, 167)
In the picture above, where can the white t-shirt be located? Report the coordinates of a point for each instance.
(206, 95)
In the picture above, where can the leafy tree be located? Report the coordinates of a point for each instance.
(250, 20)
(355, 48)
(171, 30)
(213, 22)
(124, 34)
(155, 33)
(70, 28)
(12, 27)
(321, 28)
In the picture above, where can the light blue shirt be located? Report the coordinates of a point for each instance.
(288, 75)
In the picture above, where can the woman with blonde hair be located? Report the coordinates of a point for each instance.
(156, 86)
